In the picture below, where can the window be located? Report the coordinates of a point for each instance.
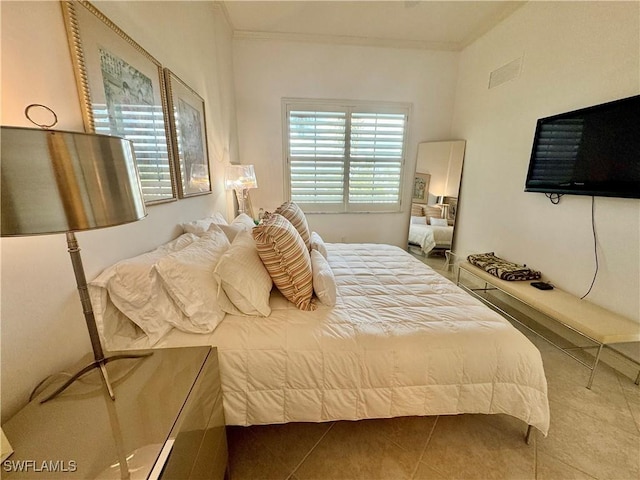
(144, 126)
(346, 156)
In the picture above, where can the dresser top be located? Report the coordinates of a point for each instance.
(82, 433)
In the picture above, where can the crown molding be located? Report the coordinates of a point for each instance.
(347, 40)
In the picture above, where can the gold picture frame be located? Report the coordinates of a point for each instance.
(122, 93)
(189, 137)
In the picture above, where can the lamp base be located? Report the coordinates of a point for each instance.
(241, 196)
(101, 365)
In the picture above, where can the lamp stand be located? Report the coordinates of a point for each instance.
(100, 361)
(241, 196)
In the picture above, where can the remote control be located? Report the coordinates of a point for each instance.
(542, 285)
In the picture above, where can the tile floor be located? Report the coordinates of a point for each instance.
(594, 434)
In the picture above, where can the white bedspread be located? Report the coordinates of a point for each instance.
(402, 340)
(429, 237)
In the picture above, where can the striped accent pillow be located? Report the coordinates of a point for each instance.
(287, 260)
(433, 211)
(417, 210)
(295, 215)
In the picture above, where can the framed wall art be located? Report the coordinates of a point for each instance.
(420, 188)
(122, 93)
(189, 137)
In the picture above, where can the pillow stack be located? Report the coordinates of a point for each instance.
(295, 257)
(214, 268)
(136, 288)
(187, 277)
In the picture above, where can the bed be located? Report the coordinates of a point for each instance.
(401, 340)
(430, 237)
(428, 230)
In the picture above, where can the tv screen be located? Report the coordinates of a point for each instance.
(591, 151)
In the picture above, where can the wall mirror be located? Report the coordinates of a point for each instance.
(434, 204)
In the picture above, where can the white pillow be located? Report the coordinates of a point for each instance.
(244, 219)
(232, 230)
(246, 283)
(188, 277)
(200, 227)
(418, 220)
(318, 244)
(242, 223)
(438, 222)
(324, 282)
(135, 289)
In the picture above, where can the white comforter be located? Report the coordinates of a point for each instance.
(429, 237)
(402, 340)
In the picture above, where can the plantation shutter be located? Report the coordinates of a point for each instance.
(316, 157)
(376, 153)
(345, 158)
(144, 126)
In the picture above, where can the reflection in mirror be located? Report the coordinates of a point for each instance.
(434, 203)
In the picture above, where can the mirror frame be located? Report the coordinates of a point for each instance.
(441, 162)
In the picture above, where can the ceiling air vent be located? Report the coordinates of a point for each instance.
(505, 73)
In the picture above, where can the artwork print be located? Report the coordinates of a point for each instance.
(125, 88)
(420, 187)
(122, 93)
(189, 132)
(190, 150)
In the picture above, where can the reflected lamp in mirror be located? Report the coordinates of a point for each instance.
(240, 178)
(65, 182)
(448, 205)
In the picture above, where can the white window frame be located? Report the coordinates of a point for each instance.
(289, 104)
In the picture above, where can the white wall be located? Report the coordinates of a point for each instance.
(42, 325)
(575, 54)
(268, 70)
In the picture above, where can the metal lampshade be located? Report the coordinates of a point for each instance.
(63, 182)
(55, 181)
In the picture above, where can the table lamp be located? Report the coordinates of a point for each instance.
(240, 178)
(445, 203)
(64, 182)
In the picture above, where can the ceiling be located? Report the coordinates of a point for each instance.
(440, 25)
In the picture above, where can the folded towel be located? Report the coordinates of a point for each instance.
(501, 268)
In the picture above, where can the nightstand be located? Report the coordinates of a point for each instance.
(167, 421)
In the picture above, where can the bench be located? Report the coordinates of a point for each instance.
(600, 326)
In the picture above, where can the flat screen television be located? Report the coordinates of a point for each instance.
(591, 151)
